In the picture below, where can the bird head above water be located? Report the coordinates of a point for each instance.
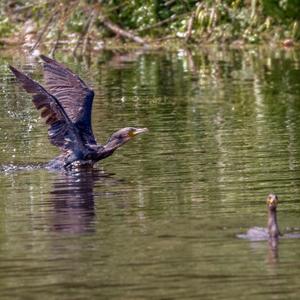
(124, 135)
(272, 232)
(272, 201)
(273, 229)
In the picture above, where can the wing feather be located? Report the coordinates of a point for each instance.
(73, 94)
(50, 109)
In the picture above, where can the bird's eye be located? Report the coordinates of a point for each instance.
(131, 133)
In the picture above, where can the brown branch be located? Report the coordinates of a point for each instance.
(85, 30)
(158, 24)
(163, 22)
(44, 30)
(190, 27)
(119, 31)
(64, 17)
(115, 8)
(54, 48)
(23, 8)
(86, 40)
(168, 37)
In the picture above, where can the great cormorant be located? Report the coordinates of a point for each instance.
(66, 106)
(272, 231)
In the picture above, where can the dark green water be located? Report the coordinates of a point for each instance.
(157, 220)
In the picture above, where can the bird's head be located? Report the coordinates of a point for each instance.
(272, 201)
(125, 134)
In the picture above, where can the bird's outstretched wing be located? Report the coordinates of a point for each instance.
(74, 95)
(60, 125)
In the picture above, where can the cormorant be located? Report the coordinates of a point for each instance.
(66, 106)
(272, 230)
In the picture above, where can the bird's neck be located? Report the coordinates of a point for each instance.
(272, 223)
(108, 149)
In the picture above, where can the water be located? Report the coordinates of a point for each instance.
(158, 219)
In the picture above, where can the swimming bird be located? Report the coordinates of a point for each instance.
(66, 105)
(272, 230)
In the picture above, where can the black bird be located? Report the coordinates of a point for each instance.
(66, 106)
(272, 230)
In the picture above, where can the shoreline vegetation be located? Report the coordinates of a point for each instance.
(86, 25)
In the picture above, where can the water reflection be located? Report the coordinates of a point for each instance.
(273, 252)
(224, 131)
(72, 197)
(122, 59)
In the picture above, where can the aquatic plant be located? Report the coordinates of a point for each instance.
(83, 21)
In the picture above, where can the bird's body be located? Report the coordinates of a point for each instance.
(66, 105)
(272, 230)
(255, 234)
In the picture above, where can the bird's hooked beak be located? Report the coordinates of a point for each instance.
(137, 131)
(272, 200)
